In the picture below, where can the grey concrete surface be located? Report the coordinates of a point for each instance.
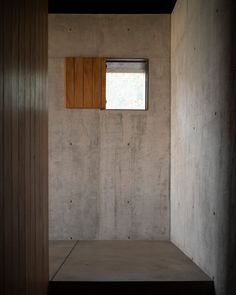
(203, 138)
(128, 261)
(109, 170)
(58, 251)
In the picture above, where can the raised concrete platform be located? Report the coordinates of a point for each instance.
(123, 265)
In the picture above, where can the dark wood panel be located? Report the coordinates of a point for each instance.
(9, 219)
(23, 147)
(21, 124)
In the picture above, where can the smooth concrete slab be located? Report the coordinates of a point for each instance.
(58, 251)
(125, 261)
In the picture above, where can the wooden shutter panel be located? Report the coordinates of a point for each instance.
(79, 83)
(97, 82)
(85, 82)
(88, 82)
(103, 82)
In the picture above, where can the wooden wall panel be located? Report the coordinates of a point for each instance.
(85, 82)
(97, 82)
(88, 83)
(79, 82)
(23, 148)
(103, 90)
(21, 122)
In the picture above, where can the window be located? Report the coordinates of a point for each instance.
(101, 83)
(126, 84)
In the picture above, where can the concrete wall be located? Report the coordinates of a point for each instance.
(203, 138)
(109, 170)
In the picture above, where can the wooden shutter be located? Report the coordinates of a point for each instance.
(85, 82)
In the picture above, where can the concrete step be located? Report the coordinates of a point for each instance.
(116, 267)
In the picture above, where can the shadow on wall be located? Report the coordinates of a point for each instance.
(231, 251)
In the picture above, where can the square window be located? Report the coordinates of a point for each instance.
(126, 84)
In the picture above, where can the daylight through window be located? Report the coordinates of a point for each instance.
(126, 84)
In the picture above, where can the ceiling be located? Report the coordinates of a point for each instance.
(102, 6)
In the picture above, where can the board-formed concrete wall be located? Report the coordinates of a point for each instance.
(109, 170)
(203, 138)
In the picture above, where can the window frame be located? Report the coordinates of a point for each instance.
(143, 60)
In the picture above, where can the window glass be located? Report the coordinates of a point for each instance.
(126, 85)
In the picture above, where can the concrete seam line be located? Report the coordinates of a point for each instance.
(63, 262)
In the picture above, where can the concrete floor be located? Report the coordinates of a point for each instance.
(118, 261)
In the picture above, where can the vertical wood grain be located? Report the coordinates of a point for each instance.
(26, 210)
(103, 81)
(97, 82)
(88, 82)
(7, 157)
(23, 148)
(14, 78)
(79, 83)
(85, 80)
(69, 82)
